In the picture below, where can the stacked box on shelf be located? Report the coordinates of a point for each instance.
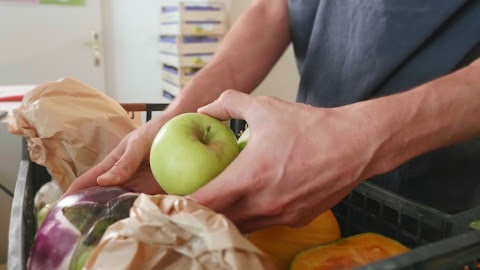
(190, 32)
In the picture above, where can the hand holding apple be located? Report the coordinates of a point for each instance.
(299, 161)
(190, 150)
(127, 164)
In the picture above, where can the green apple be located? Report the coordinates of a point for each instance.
(190, 150)
(243, 139)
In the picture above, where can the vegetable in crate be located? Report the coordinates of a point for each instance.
(348, 253)
(282, 243)
(45, 198)
(75, 225)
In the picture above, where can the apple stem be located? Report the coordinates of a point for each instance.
(206, 134)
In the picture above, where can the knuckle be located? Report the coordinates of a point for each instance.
(261, 177)
(274, 208)
(293, 219)
(227, 94)
(135, 139)
(123, 168)
(264, 104)
(262, 100)
(299, 218)
(258, 178)
(138, 146)
(267, 101)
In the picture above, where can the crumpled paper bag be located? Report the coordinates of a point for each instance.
(172, 232)
(69, 127)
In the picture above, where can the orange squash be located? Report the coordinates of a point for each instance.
(282, 243)
(348, 253)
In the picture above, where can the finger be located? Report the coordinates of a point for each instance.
(261, 222)
(144, 182)
(228, 187)
(291, 219)
(248, 215)
(124, 167)
(230, 105)
(295, 217)
(257, 223)
(89, 178)
(252, 212)
(240, 215)
(253, 220)
(79, 184)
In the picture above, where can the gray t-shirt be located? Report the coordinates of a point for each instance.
(353, 50)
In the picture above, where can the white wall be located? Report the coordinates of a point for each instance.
(130, 42)
(132, 66)
(40, 43)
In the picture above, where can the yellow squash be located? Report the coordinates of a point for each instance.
(348, 253)
(282, 243)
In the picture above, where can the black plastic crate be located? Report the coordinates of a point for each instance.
(23, 222)
(438, 240)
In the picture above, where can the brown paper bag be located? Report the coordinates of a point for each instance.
(171, 232)
(69, 127)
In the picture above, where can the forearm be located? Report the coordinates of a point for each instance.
(243, 59)
(439, 113)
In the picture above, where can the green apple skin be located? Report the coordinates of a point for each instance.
(190, 150)
(243, 139)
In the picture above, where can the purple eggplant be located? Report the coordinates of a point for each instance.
(75, 225)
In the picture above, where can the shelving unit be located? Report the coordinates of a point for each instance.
(190, 32)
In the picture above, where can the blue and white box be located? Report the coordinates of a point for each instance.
(178, 76)
(193, 28)
(192, 11)
(186, 60)
(188, 44)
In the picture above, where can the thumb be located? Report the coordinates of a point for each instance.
(230, 104)
(224, 190)
(123, 169)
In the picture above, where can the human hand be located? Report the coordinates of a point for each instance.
(126, 165)
(299, 161)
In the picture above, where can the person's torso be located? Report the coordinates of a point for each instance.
(353, 50)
